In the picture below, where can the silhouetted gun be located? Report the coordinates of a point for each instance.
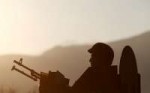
(52, 82)
(34, 75)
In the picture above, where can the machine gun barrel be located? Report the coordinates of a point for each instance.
(33, 78)
(33, 73)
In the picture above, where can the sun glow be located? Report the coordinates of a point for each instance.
(33, 26)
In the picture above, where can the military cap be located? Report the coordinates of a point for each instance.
(100, 47)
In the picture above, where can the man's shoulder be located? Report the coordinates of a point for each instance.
(87, 73)
(88, 70)
(84, 79)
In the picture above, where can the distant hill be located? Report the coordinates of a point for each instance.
(72, 61)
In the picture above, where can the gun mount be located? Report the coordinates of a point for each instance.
(52, 82)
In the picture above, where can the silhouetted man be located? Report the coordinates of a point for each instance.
(101, 77)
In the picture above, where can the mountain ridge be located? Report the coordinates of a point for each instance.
(72, 61)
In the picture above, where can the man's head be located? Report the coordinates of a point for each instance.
(101, 55)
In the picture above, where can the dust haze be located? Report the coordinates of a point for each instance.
(72, 61)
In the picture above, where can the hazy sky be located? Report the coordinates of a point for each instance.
(32, 26)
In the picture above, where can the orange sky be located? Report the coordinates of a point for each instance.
(32, 26)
